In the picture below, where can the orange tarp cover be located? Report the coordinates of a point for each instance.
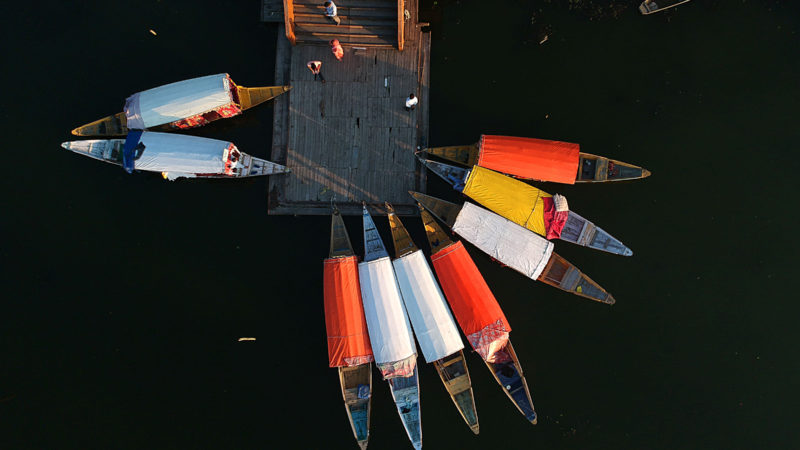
(348, 341)
(538, 159)
(470, 298)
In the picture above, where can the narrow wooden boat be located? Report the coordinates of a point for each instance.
(432, 321)
(349, 349)
(513, 246)
(389, 329)
(176, 156)
(478, 313)
(539, 159)
(184, 104)
(652, 6)
(527, 206)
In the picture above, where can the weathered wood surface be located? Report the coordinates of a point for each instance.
(272, 11)
(350, 139)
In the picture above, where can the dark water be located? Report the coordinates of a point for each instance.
(124, 295)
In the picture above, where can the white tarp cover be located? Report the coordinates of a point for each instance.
(519, 248)
(430, 317)
(387, 322)
(176, 101)
(168, 152)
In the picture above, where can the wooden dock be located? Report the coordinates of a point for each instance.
(350, 139)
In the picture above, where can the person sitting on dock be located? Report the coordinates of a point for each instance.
(314, 67)
(330, 12)
(337, 49)
(411, 102)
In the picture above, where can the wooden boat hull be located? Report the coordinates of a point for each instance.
(405, 392)
(455, 375)
(117, 124)
(585, 233)
(598, 169)
(561, 274)
(110, 151)
(651, 7)
(506, 203)
(510, 376)
(355, 381)
(591, 168)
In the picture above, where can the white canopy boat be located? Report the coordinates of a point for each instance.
(432, 320)
(389, 329)
(176, 156)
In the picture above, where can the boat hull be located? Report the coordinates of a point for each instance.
(405, 392)
(598, 169)
(651, 7)
(454, 374)
(591, 168)
(356, 383)
(585, 233)
(110, 151)
(117, 124)
(561, 274)
(509, 374)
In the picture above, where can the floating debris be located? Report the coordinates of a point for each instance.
(242, 339)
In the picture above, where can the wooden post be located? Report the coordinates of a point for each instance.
(288, 18)
(401, 23)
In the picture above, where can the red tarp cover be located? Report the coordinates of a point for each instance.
(471, 300)
(538, 159)
(348, 341)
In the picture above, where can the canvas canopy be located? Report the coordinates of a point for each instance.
(348, 339)
(471, 300)
(538, 159)
(504, 240)
(168, 152)
(430, 317)
(177, 101)
(515, 200)
(387, 323)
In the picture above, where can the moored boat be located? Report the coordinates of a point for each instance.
(513, 246)
(539, 159)
(349, 349)
(432, 321)
(389, 329)
(478, 313)
(527, 206)
(653, 6)
(183, 104)
(175, 156)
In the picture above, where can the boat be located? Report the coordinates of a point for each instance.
(652, 7)
(184, 104)
(527, 206)
(539, 159)
(349, 349)
(478, 313)
(175, 156)
(389, 329)
(513, 246)
(431, 320)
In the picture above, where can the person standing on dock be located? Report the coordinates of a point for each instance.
(337, 49)
(411, 102)
(330, 12)
(314, 67)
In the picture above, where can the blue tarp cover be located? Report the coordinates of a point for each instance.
(129, 150)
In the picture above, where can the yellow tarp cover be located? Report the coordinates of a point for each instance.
(518, 202)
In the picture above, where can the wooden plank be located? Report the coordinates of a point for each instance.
(350, 138)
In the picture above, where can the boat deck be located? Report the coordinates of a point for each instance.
(350, 139)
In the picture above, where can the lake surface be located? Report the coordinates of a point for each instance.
(124, 295)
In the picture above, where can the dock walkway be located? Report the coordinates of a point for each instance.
(350, 139)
